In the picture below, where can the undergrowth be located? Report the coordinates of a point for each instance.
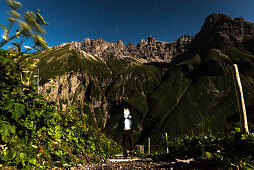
(34, 133)
(226, 150)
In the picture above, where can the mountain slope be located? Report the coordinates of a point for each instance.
(198, 88)
(97, 87)
(188, 91)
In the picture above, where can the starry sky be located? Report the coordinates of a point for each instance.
(127, 20)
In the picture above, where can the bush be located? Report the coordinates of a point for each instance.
(34, 133)
(234, 149)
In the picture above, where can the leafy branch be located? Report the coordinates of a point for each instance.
(30, 25)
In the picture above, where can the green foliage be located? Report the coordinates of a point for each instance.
(14, 4)
(233, 149)
(57, 62)
(32, 131)
(30, 25)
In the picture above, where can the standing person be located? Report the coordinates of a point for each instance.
(127, 138)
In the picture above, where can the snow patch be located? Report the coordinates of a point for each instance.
(87, 56)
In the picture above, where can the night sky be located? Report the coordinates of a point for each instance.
(128, 20)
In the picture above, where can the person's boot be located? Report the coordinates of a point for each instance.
(131, 154)
(125, 154)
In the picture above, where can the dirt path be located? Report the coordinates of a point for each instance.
(127, 164)
(135, 163)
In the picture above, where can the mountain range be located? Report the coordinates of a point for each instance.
(180, 87)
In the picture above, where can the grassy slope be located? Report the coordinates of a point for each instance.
(194, 100)
(190, 97)
(60, 61)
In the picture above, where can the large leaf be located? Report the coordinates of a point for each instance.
(40, 20)
(19, 110)
(15, 14)
(32, 114)
(7, 134)
(40, 41)
(14, 4)
(7, 131)
(32, 161)
(4, 27)
(25, 29)
(22, 156)
(9, 155)
(30, 18)
(5, 60)
(11, 19)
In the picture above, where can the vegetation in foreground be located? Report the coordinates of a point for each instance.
(32, 132)
(232, 150)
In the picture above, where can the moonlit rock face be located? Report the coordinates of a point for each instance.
(127, 121)
(151, 50)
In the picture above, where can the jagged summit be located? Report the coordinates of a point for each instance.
(151, 50)
(151, 39)
(222, 29)
(217, 29)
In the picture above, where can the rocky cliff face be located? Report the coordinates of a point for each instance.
(151, 50)
(222, 29)
(188, 96)
(97, 87)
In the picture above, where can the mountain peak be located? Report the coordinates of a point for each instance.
(120, 43)
(151, 50)
(142, 42)
(151, 39)
(215, 19)
(220, 28)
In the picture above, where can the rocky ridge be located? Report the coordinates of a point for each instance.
(151, 50)
(222, 29)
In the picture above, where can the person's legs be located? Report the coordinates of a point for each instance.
(125, 144)
(131, 144)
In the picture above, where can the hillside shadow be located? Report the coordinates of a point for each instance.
(159, 64)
